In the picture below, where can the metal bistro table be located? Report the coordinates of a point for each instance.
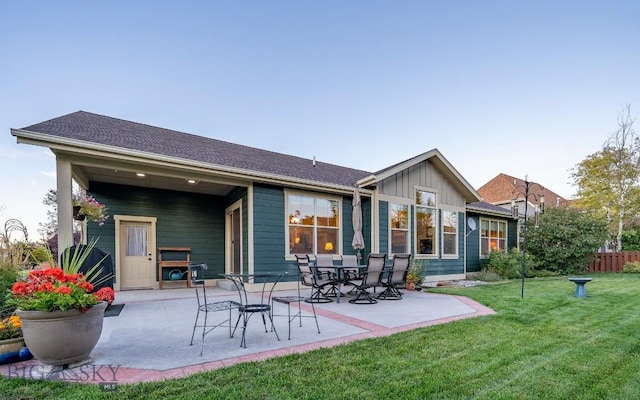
(266, 282)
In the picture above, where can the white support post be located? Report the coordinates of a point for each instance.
(65, 212)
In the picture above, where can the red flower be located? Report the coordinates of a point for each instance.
(105, 294)
(63, 290)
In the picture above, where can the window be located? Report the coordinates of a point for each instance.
(426, 222)
(314, 225)
(449, 233)
(399, 223)
(493, 236)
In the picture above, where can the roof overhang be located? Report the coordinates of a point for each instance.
(88, 157)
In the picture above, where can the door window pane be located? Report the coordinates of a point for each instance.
(136, 241)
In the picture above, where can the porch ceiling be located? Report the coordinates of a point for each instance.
(150, 180)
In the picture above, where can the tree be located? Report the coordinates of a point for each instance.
(608, 179)
(566, 239)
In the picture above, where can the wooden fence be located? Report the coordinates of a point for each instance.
(612, 262)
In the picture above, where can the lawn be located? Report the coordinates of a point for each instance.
(551, 345)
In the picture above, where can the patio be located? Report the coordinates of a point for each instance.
(149, 339)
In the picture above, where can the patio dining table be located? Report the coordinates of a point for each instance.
(340, 276)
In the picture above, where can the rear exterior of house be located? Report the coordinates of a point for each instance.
(489, 228)
(241, 209)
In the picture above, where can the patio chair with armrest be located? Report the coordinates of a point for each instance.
(396, 276)
(306, 278)
(370, 279)
(317, 282)
(351, 274)
(205, 306)
(326, 270)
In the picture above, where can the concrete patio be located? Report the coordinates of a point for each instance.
(150, 338)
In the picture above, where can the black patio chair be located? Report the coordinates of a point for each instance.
(262, 306)
(205, 307)
(396, 276)
(370, 279)
(307, 279)
(317, 282)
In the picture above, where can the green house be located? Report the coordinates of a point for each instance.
(242, 209)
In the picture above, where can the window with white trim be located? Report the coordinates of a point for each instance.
(313, 224)
(449, 233)
(493, 236)
(426, 222)
(399, 226)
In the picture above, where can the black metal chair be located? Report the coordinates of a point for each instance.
(307, 279)
(394, 277)
(205, 307)
(370, 279)
(317, 282)
(247, 309)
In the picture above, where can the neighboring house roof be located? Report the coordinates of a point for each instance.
(502, 188)
(488, 208)
(440, 163)
(93, 129)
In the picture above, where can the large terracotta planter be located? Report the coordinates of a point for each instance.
(62, 337)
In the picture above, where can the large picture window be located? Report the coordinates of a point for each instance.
(449, 233)
(314, 225)
(493, 236)
(399, 223)
(426, 222)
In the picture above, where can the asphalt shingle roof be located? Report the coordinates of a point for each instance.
(482, 206)
(103, 130)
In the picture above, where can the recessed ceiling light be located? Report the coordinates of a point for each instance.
(140, 174)
(191, 181)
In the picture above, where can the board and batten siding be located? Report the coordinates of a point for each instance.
(424, 175)
(183, 220)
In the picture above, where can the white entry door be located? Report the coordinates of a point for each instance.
(136, 256)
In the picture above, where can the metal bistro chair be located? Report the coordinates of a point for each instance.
(306, 278)
(246, 309)
(205, 307)
(396, 276)
(318, 283)
(370, 279)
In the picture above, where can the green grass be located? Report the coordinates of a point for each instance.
(551, 345)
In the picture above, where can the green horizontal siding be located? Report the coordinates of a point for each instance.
(183, 219)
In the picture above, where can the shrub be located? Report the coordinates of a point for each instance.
(508, 265)
(485, 275)
(631, 267)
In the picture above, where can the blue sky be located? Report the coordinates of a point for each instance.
(518, 87)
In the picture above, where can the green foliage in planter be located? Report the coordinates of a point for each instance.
(631, 267)
(566, 239)
(417, 271)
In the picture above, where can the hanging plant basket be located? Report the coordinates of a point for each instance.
(76, 214)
